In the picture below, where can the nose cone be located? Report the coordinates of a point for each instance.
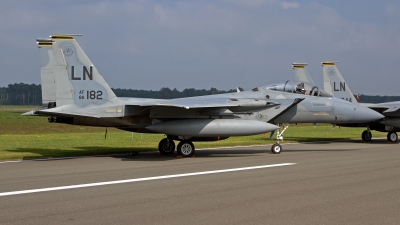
(363, 114)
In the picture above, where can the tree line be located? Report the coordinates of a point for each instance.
(21, 94)
(31, 94)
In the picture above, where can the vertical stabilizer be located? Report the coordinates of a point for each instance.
(300, 72)
(77, 79)
(334, 83)
(46, 72)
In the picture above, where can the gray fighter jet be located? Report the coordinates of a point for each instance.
(82, 97)
(337, 86)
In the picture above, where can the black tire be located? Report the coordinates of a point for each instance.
(276, 148)
(392, 136)
(166, 147)
(366, 135)
(185, 148)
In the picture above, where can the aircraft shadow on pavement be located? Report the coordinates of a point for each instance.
(317, 140)
(41, 153)
(373, 141)
(140, 154)
(225, 153)
(156, 156)
(323, 150)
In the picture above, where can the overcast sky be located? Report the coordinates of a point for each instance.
(216, 43)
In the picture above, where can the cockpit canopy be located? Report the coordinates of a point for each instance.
(299, 87)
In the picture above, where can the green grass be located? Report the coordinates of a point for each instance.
(26, 137)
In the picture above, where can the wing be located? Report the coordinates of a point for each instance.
(137, 106)
(200, 102)
(189, 103)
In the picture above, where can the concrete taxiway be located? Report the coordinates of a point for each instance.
(329, 183)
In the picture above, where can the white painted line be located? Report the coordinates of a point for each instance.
(140, 179)
(11, 161)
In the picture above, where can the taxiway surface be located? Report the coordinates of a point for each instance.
(328, 183)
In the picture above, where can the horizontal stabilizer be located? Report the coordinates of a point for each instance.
(68, 110)
(392, 109)
(384, 107)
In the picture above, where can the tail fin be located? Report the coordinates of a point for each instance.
(46, 72)
(77, 80)
(334, 83)
(300, 72)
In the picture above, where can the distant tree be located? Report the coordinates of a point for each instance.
(22, 94)
(377, 98)
(167, 93)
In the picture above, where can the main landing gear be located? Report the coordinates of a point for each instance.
(166, 146)
(366, 135)
(392, 136)
(185, 148)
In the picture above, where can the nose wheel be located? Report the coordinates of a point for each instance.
(276, 148)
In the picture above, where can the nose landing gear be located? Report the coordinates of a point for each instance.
(277, 148)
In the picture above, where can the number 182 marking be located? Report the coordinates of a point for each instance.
(94, 95)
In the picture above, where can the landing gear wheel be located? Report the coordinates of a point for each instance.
(276, 148)
(392, 136)
(166, 147)
(185, 148)
(366, 135)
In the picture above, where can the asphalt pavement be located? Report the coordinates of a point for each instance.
(348, 182)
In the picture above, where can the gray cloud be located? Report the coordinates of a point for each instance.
(289, 5)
